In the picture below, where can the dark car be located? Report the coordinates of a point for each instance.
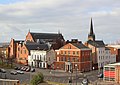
(28, 69)
(32, 70)
(100, 75)
(16, 68)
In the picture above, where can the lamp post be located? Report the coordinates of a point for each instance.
(70, 70)
(76, 73)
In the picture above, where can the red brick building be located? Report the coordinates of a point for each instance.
(13, 47)
(112, 72)
(21, 49)
(73, 55)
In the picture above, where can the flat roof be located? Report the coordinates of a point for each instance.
(112, 65)
(114, 46)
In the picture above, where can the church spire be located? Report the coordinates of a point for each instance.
(91, 27)
(91, 35)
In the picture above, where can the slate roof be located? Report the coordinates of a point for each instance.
(80, 45)
(96, 43)
(46, 36)
(19, 41)
(37, 46)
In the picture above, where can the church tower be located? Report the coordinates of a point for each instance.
(91, 35)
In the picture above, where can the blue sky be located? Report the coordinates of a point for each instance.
(71, 17)
(9, 1)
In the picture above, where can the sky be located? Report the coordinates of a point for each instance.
(70, 17)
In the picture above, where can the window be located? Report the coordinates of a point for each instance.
(49, 58)
(73, 59)
(68, 52)
(37, 57)
(64, 58)
(32, 56)
(40, 57)
(64, 52)
(73, 52)
(106, 68)
(44, 57)
(61, 58)
(77, 52)
(112, 69)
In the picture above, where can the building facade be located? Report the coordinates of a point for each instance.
(73, 56)
(115, 50)
(112, 72)
(101, 55)
(20, 50)
(38, 59)
(41, 58)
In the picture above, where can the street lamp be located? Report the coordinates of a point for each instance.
(76, 73)
(70, 70)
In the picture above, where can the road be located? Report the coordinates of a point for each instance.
(23, 78)
(54, 76)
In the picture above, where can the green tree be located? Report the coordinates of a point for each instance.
(36, 79)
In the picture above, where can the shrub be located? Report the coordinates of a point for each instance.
(36, 79)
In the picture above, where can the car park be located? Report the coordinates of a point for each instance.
(13, 72)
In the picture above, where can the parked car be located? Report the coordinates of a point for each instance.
(85, 81)
(20, 72)
(100, 75)
(13, 72)
(16, 68)
(2, 70)
(28, 69)
(32, 70)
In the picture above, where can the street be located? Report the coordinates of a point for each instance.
(53, 75)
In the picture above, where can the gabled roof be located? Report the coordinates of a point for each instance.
(46, 36)
(96, 43)
(34, 46)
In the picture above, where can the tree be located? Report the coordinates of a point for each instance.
(38, 78)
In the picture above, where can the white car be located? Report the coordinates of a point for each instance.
(13, 72)
(20, 72)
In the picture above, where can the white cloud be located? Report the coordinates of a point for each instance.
(64, 15)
